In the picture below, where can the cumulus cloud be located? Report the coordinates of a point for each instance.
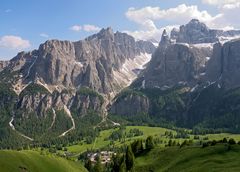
(179, 14)
(44, 35)
(86, 28)
(14, 42)
(91, 28)
(153, 35)
(147, 17)
(220, 2)
(76, 28)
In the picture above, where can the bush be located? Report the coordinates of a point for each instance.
(213, 143)
(232, 142)
(204, 145)
(224, 140)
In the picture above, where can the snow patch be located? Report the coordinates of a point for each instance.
(194, 88)
(207, 58)
(79, 64)
(185, 44)
(224, 39)
(203, 45)
(143, 84)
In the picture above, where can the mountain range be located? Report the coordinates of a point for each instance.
(190, 80)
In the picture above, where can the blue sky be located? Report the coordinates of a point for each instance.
(27, 23)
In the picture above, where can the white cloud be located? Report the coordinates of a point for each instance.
(91, 28)
(76, 28)
(147, 17)
(179, 14)
(86, 28)
(220, 2)
(44, 35)
(151, 35)
(14, 42)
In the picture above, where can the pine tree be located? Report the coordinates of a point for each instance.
(118, 163)
(88, 165)
(137, 147)
(98, 166)
(129, 159)
(149, 143)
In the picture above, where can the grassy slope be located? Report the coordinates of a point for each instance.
(100, 142)
(11, 161)
(147, 131)
(216, 158)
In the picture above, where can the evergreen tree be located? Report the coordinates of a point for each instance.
(149, 143)
(129, 159)
(98, 166)
(118, 163)
(232, 142)
(88, 165)
(137, 147)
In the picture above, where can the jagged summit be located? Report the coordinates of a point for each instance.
(104, 33)
(196, 32)
(165, 40)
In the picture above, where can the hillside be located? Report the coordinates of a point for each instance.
(214, 158)
(25, 161)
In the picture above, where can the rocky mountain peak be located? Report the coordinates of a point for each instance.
(105, 34)
(165, 40)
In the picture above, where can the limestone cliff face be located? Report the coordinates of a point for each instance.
(36, 99)
(194, 59)
(89, 62)
(174, 64)
(131, 105)
(102, 63)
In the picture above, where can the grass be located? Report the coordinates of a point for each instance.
(23, 161)
(102, 142)
(213, 158)
(157, 132)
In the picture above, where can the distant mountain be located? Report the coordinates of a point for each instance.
(71, 78)
(196, 32)
(192, 72)
(67, 89)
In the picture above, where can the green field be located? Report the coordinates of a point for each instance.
(102, 142)
(213, 158)
(156, 132)
(33, 161)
